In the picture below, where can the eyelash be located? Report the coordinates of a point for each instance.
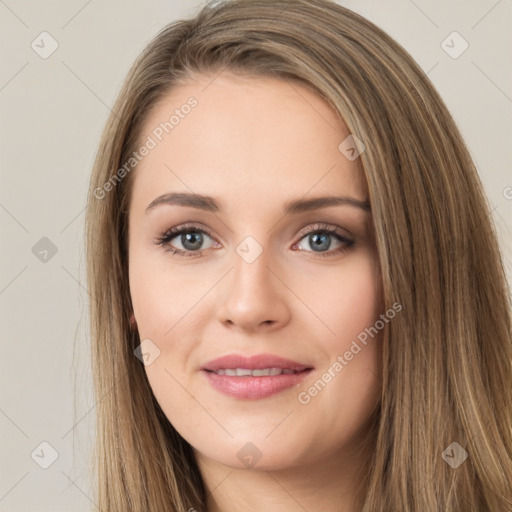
(164, 238)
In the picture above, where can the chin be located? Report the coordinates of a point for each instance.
(267, 455)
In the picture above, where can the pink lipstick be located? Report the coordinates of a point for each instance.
(255, 377)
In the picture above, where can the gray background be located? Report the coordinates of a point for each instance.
(53, 111)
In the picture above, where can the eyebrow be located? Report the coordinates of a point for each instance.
(295, 206)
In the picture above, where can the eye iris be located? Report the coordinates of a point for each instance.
(192, 240)
(320, 241)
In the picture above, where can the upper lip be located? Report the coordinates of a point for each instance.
(256, 362)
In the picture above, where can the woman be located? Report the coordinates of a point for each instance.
(300, 301)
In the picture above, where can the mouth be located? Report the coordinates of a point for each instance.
(244, 364)
(255, 377)
(246, 372)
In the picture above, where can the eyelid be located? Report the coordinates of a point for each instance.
(320, 226)
(190, 226)
(187, 226)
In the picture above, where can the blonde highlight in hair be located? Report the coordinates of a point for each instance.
(447, 358)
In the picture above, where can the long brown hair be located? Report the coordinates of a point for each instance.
(447, 358)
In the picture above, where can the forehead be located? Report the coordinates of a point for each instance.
(256, 140)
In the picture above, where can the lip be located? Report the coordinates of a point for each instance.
(257, 362)
(254, 388)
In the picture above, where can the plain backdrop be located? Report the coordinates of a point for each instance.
(52, 112)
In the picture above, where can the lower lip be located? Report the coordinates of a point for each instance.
(254, 388)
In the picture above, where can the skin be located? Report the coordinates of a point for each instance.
(254, 143)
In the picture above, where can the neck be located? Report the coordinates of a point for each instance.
(333, 483)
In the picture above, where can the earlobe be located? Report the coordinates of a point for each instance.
(133, 322)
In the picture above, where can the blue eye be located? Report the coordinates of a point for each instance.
(191, 238)
(320, 240)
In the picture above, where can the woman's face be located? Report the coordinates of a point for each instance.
(260, 271)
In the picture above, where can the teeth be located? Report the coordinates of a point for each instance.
(266, 371)
(243, 372)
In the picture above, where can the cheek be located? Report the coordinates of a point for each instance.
(349, 304)
(347, 300)
(165, 305)
(161, 296)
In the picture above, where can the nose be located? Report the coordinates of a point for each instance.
(253, 298)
